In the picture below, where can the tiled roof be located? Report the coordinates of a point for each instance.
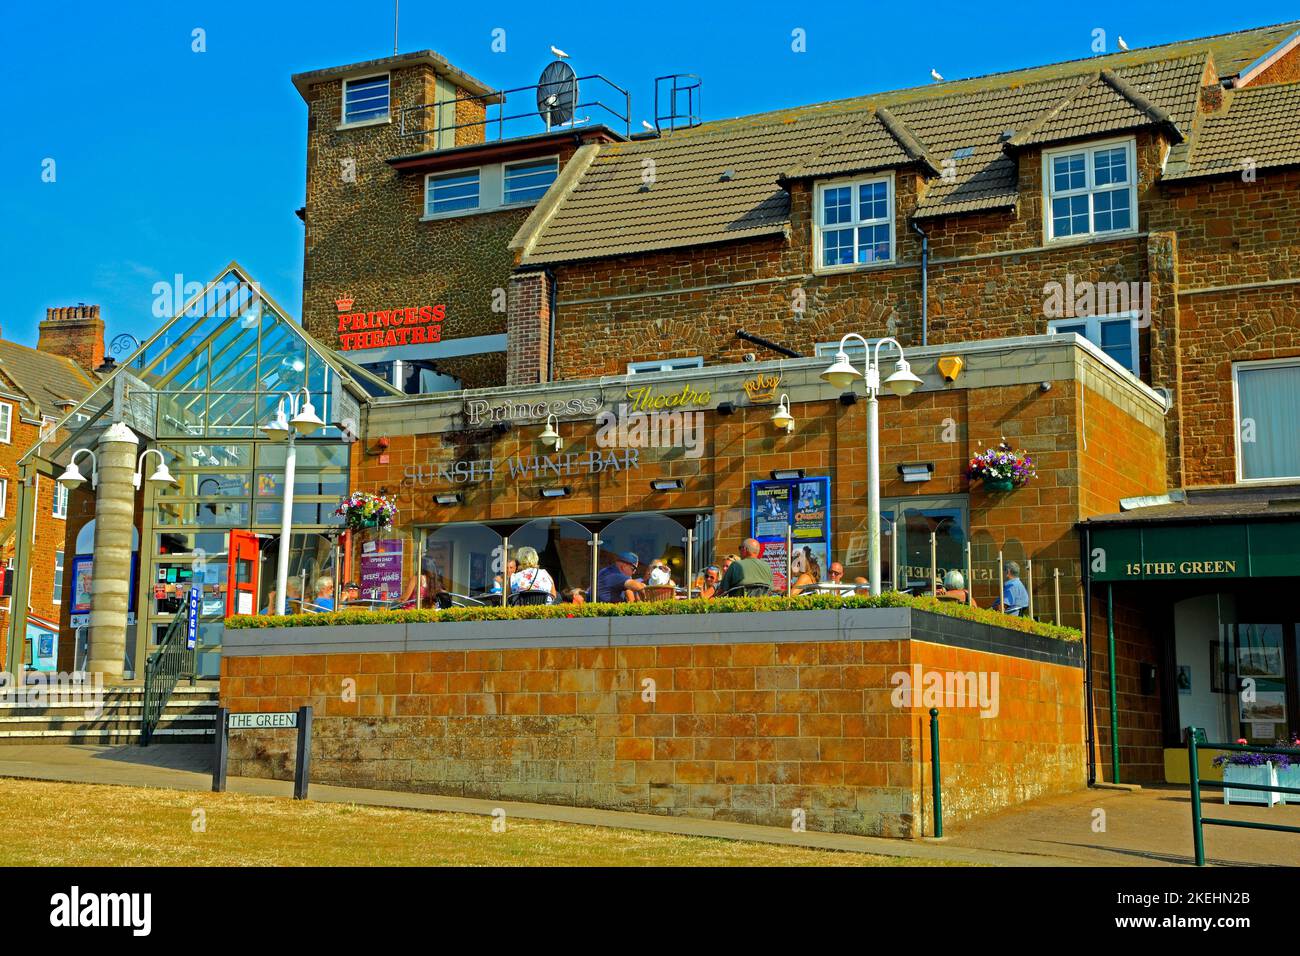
(671, 191)
(1259, 124)
(45, 379)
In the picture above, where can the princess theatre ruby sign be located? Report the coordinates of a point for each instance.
(381, 328)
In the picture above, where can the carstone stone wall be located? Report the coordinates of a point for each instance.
(738, 727)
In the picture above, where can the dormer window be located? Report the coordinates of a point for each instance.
(1090, 191)
(365, 100)
(854, 222)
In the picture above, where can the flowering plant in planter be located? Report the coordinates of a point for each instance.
(361, 510)
(1001, 469)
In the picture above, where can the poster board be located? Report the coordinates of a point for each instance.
(802, 507)
(381, 568)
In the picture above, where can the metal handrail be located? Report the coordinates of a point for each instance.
(1194, 775)
(498, 99)
(172, 660)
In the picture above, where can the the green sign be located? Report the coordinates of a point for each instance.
(1196, 551)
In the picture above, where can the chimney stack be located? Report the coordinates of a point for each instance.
(74, 331)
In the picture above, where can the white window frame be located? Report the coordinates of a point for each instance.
(344, 122)
(60, 507)
(4, 499)
(6, 423)
(1092, 332)
(447, 174)
(664, 365)
(819, 227)
(1089, 189)
(505, 176)
(1236, 417)
(58, 578)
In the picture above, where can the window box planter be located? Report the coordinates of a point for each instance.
(998, 484)
(1263, 775)
(1289, 776)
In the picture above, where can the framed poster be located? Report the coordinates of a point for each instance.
(769, 509)
(83, 568)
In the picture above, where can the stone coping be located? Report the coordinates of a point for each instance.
(765, 627)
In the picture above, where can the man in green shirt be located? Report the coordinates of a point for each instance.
(749, 572)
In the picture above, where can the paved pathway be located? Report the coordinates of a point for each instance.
(1146, 828)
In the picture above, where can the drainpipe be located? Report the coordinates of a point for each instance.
(550, 309)
(925, 283)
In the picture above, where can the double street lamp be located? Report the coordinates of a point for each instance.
(901, 382)
(304, 422)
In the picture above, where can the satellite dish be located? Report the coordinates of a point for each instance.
(557, 94)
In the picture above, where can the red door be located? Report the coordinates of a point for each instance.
(241, 574)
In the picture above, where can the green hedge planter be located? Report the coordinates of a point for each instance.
(817, 602)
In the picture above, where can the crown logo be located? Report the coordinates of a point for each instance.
(344, 301)
(762, 388)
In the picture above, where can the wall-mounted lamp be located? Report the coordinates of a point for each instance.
(781, 418)
(556, 492)
(72, 478)
(667, 484)
(160, 478)
(550, 436)
(787, 474)
(921, 471)
(726, 408)
(452, 499)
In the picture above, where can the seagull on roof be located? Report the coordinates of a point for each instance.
(648, 126)
(560, 53)
(935, 75)
(1122, 44)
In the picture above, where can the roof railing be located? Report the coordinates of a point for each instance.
(670, 90)
(426, 119)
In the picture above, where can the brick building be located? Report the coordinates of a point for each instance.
(1094, 261)
(1146, 200)
(38, 388)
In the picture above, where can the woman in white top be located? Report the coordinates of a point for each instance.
(530, 577)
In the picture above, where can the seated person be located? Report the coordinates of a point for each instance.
(324, 601)
(530, 577)
(660, 575)
(573, 596)
(749, 572)
(862, 585)
(954, 589)
(426, 591)
(835, 573)
(615, 584)
(351, 592)
(706, 586)
(1015, 596)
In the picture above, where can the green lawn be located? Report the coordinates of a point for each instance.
(46, 824)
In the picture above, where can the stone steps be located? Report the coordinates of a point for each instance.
(77, 717)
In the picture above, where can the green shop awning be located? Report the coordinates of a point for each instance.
(1195, 550)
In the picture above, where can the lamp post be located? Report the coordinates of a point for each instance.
(305, 422)
(901, 382)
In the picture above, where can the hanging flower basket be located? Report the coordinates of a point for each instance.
(1001, 468)
(362, 511)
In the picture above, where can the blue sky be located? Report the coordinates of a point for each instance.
(168, 161)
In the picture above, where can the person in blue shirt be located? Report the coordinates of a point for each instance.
(1015, 597)
(615, 583)
(324, 596)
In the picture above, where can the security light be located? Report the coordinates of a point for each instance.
(452, 499)
(787, 474)
(667, 484)
(916, 472)
(556, 492)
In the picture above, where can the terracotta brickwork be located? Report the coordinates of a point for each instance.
(49, 532)
(744, 732)
(529, 330)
